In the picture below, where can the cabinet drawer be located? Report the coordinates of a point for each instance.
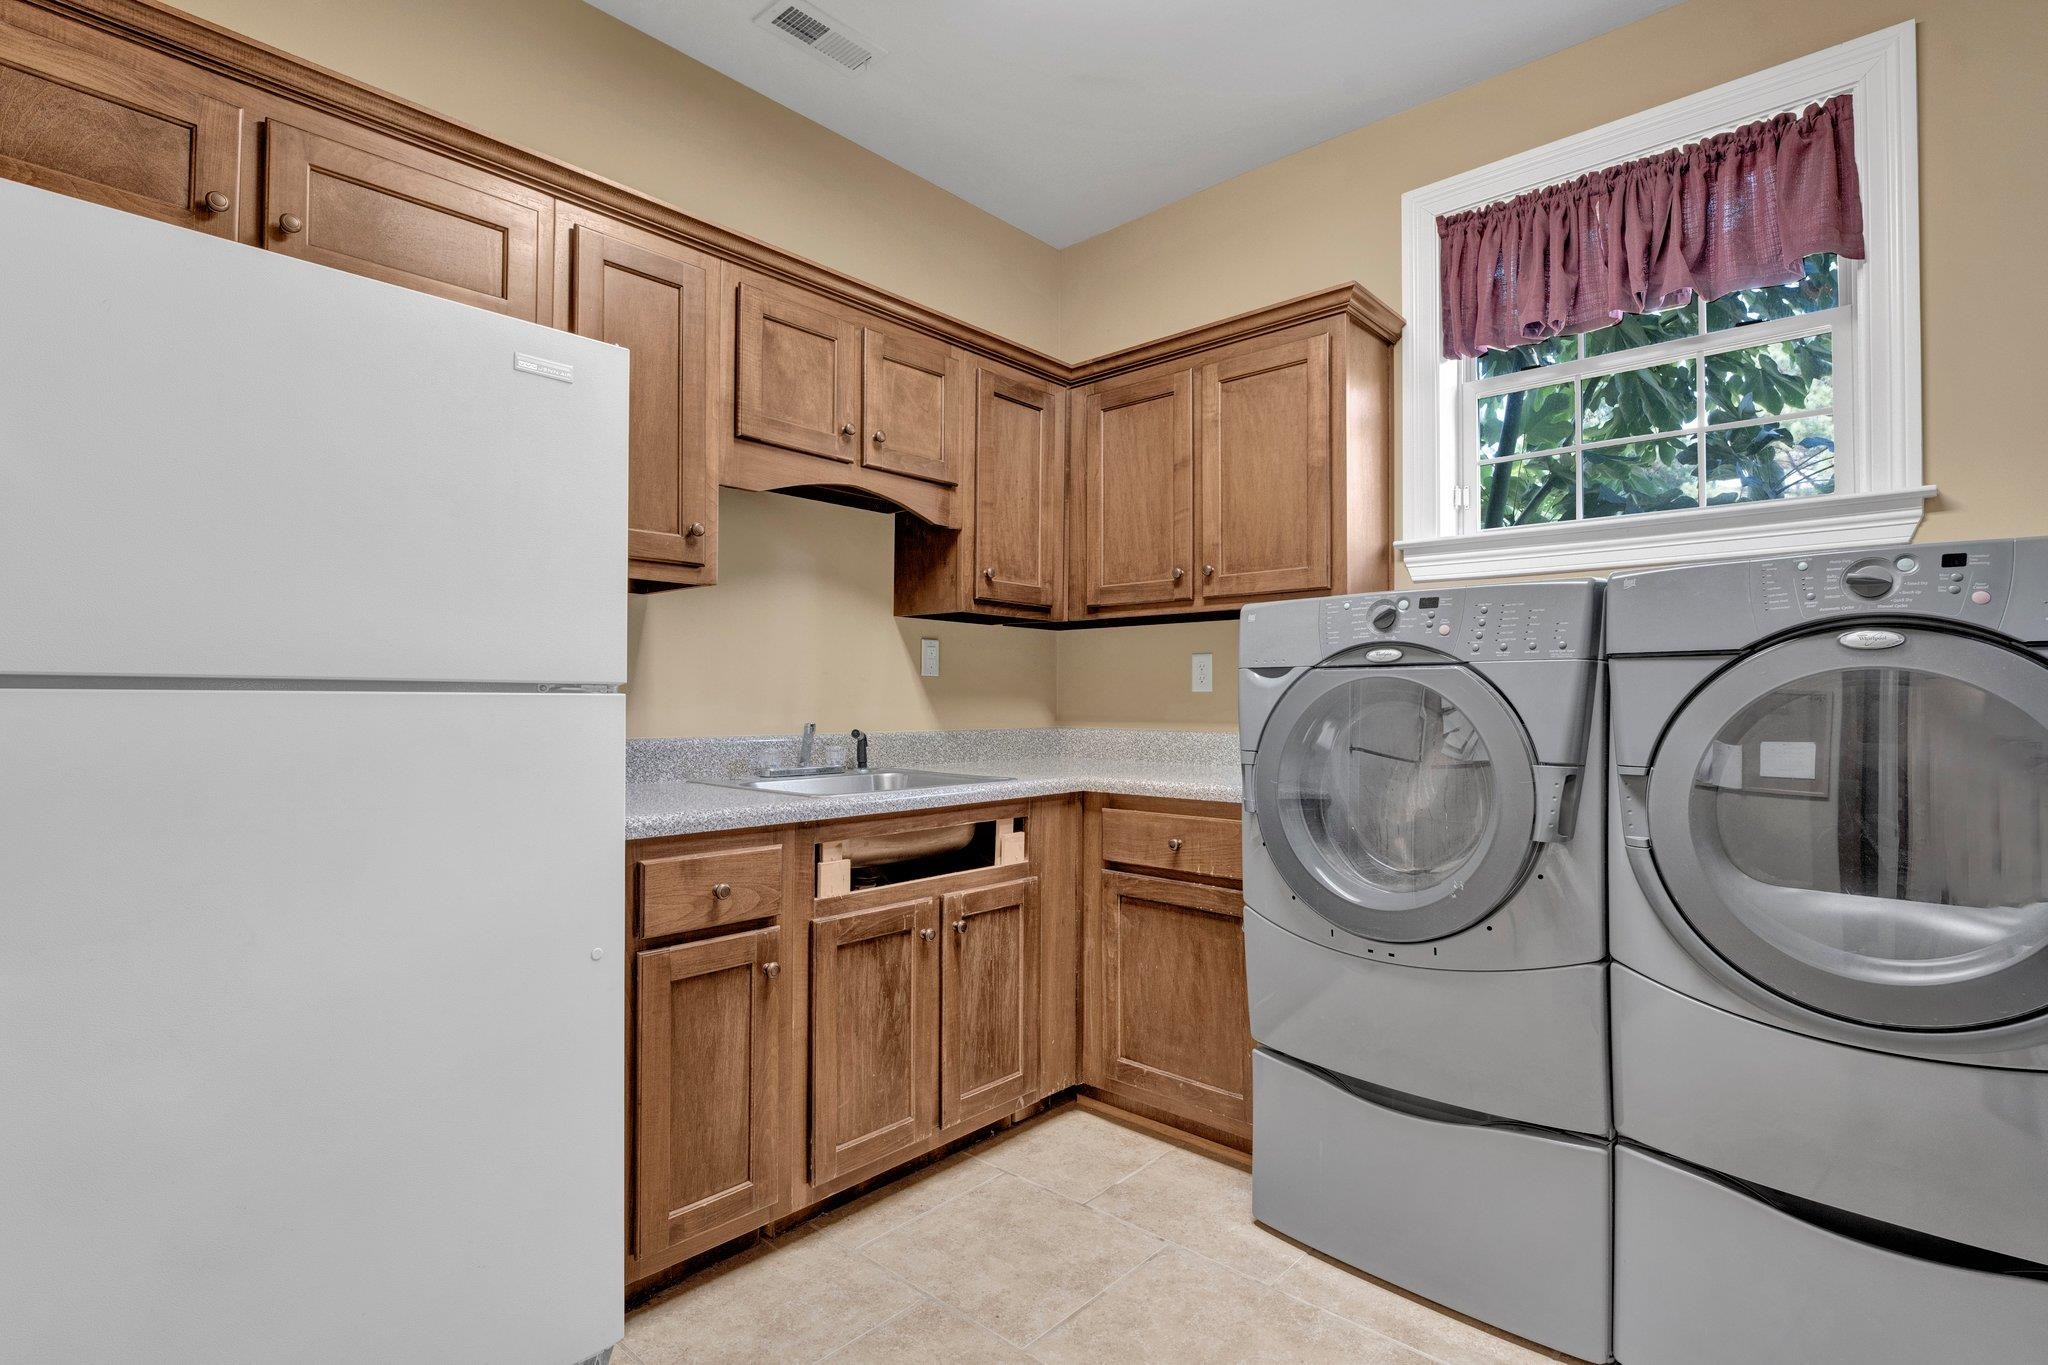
(706, 890)
(1201, 845)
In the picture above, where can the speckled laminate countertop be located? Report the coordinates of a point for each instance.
(667, 791)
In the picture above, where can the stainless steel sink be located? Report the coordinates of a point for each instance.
(847, 784)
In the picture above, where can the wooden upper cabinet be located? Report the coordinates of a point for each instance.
(1137, 479)
(659, 305)
(1264, 455)
(373, 205)
(130, 136)
(1018, 492)
(709, 1020)
(917, 405)
(988, 993)
(1174, 1017)
(798, 380)
(874, 1035)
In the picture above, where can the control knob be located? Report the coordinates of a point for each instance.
(1384, 617)
(1871, 578)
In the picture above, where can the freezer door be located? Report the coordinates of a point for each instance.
(310, 1026)
(218, 462)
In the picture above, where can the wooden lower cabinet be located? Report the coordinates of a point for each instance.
(1171, 1021)
(709, 1055)
(988, 1001)
(874, 1035)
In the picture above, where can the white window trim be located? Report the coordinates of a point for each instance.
(1879, 497)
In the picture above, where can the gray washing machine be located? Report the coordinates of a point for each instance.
(1424, 943)
(1828, 912)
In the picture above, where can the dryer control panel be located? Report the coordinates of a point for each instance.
(1513, 621)
(1967, 582)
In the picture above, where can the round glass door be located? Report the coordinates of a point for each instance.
(1865, 832)
(1398, 803)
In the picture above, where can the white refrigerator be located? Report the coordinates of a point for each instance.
(312, 621)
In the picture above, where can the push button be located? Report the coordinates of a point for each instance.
(1981, 598)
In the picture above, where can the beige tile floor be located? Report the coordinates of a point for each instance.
(1069, 1238)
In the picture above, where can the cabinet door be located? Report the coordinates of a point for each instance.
(657, 304)
(124, 136)
(916, 404)
(379, 207)
(874, 1034)
(798, 382)
(988, 1000)
(1264, 456)
(706, 1089)
(1174, 1023)
(1137, 468)
(1017, 492)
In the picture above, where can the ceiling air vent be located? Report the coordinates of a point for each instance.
(820, 34)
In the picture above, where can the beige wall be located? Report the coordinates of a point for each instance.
(799, 627)
(1332, 213)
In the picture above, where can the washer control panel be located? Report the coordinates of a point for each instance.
(1966, 582)
(1514, 621)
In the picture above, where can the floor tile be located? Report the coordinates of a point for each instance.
(1073, 1152)
(1012, 1256)
(929, 1334)
(1429, 1329)
(790, 1299)
(870, 1216)
(1181, 1307)
(1200, 1203)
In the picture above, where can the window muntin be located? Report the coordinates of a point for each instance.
(1721, 401)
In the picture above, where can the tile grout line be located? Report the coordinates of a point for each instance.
(923, 1298)
(1162, 1249)
(1344, 1317)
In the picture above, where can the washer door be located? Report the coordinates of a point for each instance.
(1398, 803)
(1858, 822)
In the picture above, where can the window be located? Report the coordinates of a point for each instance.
(1723, 401)
(1770, 418)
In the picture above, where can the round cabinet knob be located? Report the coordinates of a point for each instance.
(1872, 578)
(289, 223)
(771, 969)
(959, 926)
(1384, 617)
(989, 574)
(879, 438)
(216, 202)
(1208, 571)
(722, 891)
(927, 934)
(1173, 845)
(846, 430)
(695, 530)
(1179, 573)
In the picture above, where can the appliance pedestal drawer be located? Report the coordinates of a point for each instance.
(1508, 1224)
(1706, 1273)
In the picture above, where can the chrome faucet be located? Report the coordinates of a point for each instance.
(803, 767)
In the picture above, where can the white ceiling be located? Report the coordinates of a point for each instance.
(1068, 117)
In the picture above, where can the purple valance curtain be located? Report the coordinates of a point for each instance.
(1734, 211)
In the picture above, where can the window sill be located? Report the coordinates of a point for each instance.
(1837, 522)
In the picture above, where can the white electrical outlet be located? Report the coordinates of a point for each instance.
(1204, 679)
(931, 658)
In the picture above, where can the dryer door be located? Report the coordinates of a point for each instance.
(1858, 823)
(1398, 803)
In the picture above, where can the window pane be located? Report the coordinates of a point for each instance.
(1771, 460)
(1551, 352)
(1640, 402)
(1527, 492)
(1645, 329)
(1525, 420)
(1785, 376)
(1644, 476)
(1818, 287)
